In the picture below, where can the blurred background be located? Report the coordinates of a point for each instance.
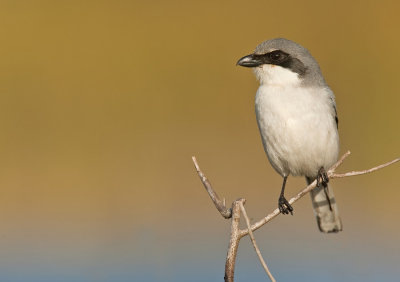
(103, 103)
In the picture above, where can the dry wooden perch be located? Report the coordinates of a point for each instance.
(238, 208)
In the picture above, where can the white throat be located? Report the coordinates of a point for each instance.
(276, 76)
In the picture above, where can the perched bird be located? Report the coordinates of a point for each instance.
(297, 119)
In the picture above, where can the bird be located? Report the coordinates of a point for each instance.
(297, 119)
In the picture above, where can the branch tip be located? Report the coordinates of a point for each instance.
(196, 165)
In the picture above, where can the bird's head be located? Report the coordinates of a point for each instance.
(283, 62)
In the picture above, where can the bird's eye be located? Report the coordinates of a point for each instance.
(276, 55)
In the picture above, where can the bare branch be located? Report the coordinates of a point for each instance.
(253, 240)
(220, 205)
(234, 241)
(237, 206)
(354, 173)
(340, 161)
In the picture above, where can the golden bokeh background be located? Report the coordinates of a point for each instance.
(103, 103)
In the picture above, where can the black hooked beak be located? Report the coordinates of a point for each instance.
(250, 61)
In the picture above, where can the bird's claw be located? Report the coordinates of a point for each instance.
(284, 206)
(322, 178)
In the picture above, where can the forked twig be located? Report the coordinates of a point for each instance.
(237, 206)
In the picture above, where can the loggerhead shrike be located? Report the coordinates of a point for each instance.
(297, 119)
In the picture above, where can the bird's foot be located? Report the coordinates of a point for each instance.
(322, 178)
(284, 206)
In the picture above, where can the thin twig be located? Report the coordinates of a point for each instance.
(340, 161)
(354, 173)
(253, 240)
(220, 205)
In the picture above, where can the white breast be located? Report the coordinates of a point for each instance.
(296, 123)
